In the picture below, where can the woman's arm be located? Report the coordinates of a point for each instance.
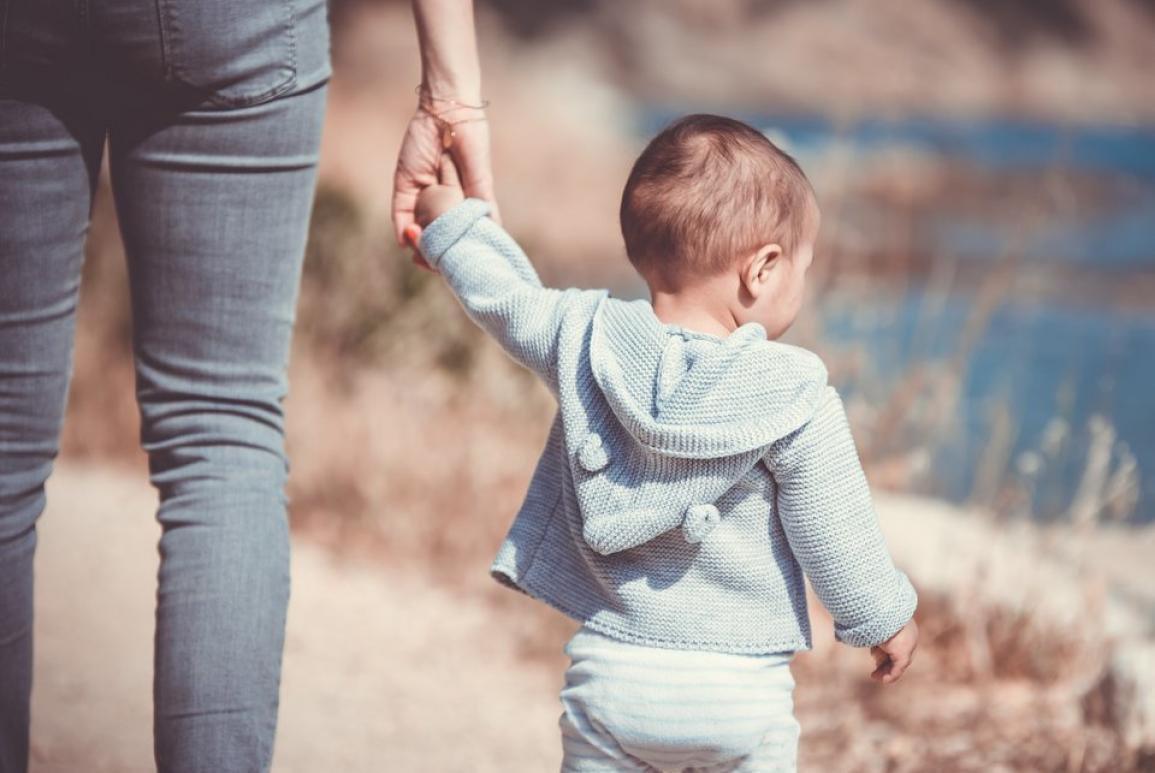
(449, 71)
(445, 32)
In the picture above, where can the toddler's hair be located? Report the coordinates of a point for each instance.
(706, 191)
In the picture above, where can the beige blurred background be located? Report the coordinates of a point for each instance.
(984, 294)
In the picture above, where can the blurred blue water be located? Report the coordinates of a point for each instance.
(993, 142)
(1052, 363)
(1050, 367)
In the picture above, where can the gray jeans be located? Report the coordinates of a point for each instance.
(212, 112)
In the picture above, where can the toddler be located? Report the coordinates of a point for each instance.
(696, 470)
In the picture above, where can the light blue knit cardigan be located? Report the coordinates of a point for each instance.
(688, 480)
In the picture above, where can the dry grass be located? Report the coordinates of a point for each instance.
(988, 692)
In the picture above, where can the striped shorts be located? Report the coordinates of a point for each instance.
(634, 708)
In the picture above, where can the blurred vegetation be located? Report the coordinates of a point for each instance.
(365, 304)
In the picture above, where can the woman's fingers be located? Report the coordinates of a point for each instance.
(412, 235)
(471, 153)
(404, 202)
(417, 162)
(447, 172)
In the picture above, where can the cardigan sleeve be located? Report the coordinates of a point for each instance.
(826, 512)
(496, 284)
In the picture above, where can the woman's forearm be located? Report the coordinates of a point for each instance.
(445, 32)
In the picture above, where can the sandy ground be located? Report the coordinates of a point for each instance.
(381, 672)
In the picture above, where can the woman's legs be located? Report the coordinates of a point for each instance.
(214, 208)
(48, 164)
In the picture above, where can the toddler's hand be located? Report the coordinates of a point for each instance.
(431, 202)
(436, 199)
(893, 656)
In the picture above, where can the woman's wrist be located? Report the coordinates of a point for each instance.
(464, 92)
(441, 99)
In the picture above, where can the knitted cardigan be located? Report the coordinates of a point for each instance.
(689, 481)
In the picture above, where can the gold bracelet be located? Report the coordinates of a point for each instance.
(424, 92)
(445, 125)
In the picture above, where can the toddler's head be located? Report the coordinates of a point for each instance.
(714, 212)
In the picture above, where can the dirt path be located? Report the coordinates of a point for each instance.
(381, 672)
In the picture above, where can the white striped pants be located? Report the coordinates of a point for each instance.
(634, 708)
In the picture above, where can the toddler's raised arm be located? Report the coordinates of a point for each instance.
(825, 508)
(497, 284)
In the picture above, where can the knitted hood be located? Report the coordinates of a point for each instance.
(682, 418)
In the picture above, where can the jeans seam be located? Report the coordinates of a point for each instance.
(162, 36)
(3, 32)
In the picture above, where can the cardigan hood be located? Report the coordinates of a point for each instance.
(677, 399)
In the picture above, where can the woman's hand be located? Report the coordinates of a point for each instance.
(417, 167)
(418, 164)
(451, 82)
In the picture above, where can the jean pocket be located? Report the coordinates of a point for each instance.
(237, 52)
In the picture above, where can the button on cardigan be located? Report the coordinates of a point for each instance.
(689, 482)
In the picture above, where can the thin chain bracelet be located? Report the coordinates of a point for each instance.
(444, 125)
(423, 92)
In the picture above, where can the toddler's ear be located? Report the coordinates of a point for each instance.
(758, 266)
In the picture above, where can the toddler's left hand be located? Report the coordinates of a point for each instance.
(893, 656)
(436, 199)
